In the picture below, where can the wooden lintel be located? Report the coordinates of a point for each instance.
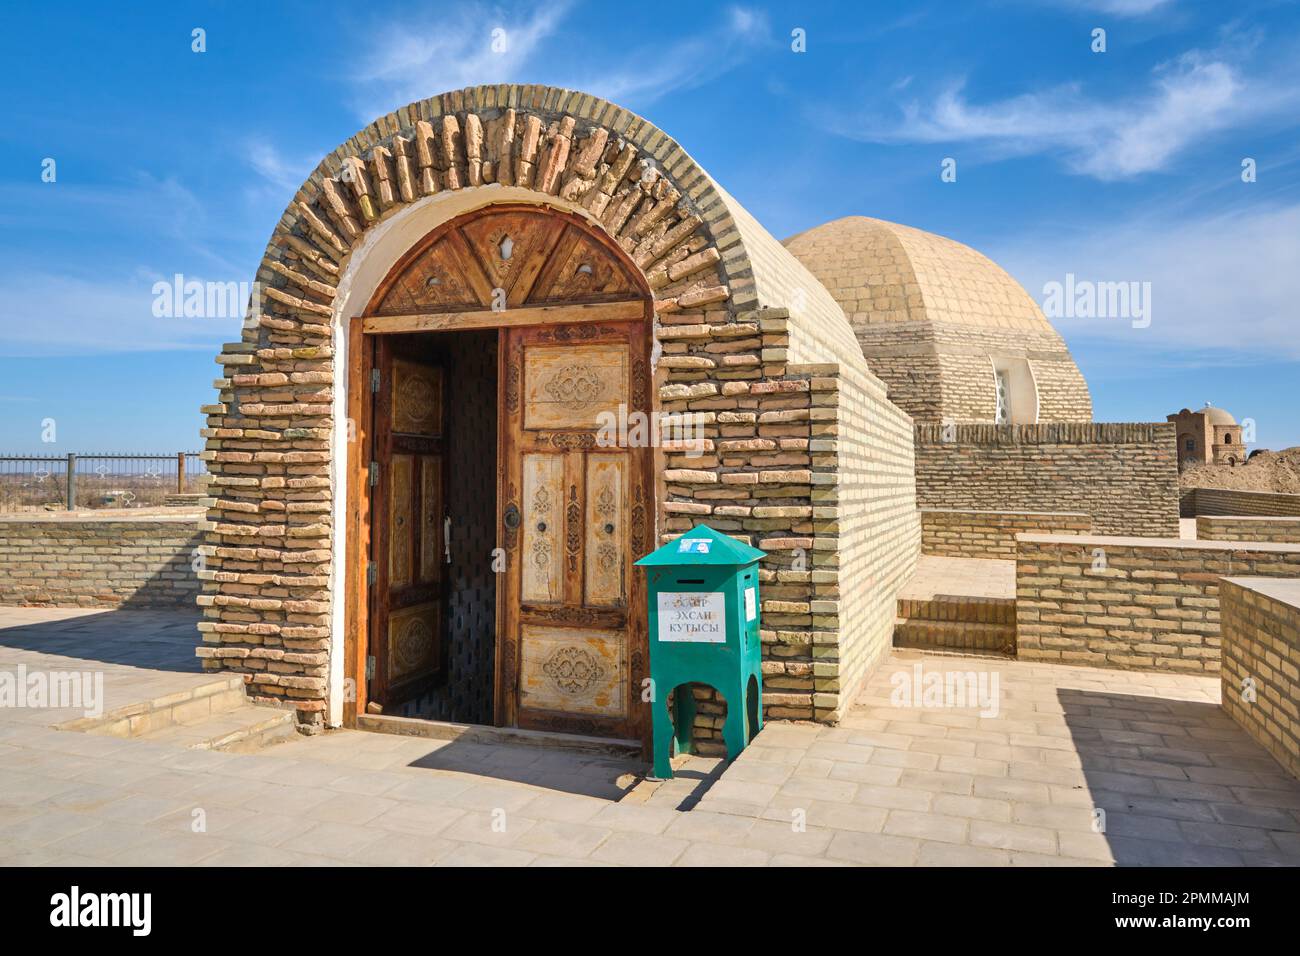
(518, 317)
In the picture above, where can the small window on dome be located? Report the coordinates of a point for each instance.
(1014, 390)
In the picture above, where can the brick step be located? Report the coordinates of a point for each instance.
(959, 607)
(135, 720)
(241, 729)
(968, 637)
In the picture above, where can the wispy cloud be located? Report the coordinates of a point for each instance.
(279, 173)
(1186, 101)
(45, 313)
(1222, 285)
(1119, 8)
(466, 45)
(473, 44)
(686, 63)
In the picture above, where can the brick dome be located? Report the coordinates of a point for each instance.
(943, 325)
(1216, 416)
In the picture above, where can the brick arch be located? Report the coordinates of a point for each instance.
(627, 177)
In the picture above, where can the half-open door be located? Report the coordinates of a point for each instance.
(407, 521)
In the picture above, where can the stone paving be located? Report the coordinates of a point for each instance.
(1179, 783)
(937, 575)
(142, 654)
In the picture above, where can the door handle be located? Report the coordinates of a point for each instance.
(446, 538)
(511, 517)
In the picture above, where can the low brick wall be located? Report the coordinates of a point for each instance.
(1131, 602)
(991, 534)
(99, 560)
(1248, 528)
(1124, 475)
(1261, 645)
(1194, 502)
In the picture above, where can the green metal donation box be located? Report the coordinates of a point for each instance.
(703, 598)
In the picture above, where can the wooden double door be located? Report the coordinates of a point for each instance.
(573, 495)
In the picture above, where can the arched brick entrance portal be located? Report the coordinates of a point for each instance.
(804, 456)
(570, 315)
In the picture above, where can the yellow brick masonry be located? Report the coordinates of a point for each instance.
(1135, 603)
(991, 534)
(814, 468)
(1248, 528)
(104, 560)
(1124, 475)
(1261, 662)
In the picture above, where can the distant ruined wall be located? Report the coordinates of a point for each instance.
(1124, 475)
(1223, 501)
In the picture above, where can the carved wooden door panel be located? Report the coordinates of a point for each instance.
(406, 571)
(575, 514)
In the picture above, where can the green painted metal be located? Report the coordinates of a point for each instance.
(704, 628)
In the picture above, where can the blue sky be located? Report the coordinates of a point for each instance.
(1115, 166)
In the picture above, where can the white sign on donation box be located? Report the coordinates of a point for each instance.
(698, 617)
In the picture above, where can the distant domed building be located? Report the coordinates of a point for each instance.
(952, 335)
(1208, 435)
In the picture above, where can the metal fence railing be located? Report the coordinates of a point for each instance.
(98, 480)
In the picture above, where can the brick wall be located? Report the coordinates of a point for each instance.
(991, 534)
(1248, 528)
(79, 560)
(1125, 476)
(1222, 501)
(1130, 602)
(1261, 644)
(870, 480)
(816, 470)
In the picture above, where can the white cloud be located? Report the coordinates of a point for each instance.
(1186, 101)
(471, 45)
(1224, 285)
(689, 62)
(1120, 8)
(465, 46)
(43, 313)
(281, 174)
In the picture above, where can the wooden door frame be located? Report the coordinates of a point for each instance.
(360, 405)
